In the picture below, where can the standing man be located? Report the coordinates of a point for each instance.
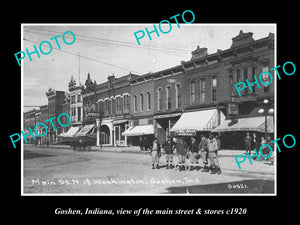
(255, 144)
(248, 141)
(155, 153)
(169, 146)
(181, 148)
(204, 152)
(194, 152)
(212, 147)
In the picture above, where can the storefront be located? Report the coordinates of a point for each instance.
(119, 127)
(195, 123)
(86, 136)
(164, 124)
(140, 135)
(67, 138)
(232, 132)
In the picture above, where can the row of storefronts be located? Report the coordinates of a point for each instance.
(194, 98)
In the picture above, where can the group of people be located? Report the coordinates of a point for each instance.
(206, 150)
(253, 142)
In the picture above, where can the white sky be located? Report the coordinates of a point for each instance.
(108, 43)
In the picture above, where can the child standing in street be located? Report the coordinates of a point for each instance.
(181, 148)
(169, 146)
(212, 147)
(155, 153)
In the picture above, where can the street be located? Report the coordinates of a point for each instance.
(64, 171)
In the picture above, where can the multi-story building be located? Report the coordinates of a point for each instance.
(76, 105)
(29, 121)
(43, 117)
(108, 106)
(142, 126)
(55, 108)
(198, 95)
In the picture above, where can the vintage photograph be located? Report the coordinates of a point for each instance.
(185, 112)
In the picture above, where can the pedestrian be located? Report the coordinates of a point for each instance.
(155, 153)
(212, 147)
(169, 147)
(264, 148)
(218, 141)
(255, 143)
(181, 148)
(204, 152)
(194, 152)
(141, 143)
(248, 141)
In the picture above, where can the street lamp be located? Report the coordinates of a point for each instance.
(266, 110)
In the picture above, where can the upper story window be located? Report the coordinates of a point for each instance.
(265, 78)
(202, 90)
(148, 101)
(214, 89)
(159, 99)
(192, 92)
(178, 95)
(118, 108)
(141, 102)
(168, 97)
(134, 103)
(79, 98)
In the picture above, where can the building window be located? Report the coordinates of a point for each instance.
(79, 98)
(118, 104)
(79, 114)
(126, 103)
(159, 99)
(202, 90)
(141, 102)
(148, 101)
(121, 104)
(238, 75)
(134, 103)
(245, 78)
(178, 95)
(106, 106)
(192, 92)
(168, 97)
(252, 79)
(265, 79)
(214, 89)
(113, 106)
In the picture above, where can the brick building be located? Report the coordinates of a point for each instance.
(107, 106)
(142, 126)
(55, 108)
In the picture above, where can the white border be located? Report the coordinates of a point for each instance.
(133, 24)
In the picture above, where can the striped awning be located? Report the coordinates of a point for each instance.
(247, 124)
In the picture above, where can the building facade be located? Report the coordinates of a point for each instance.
(107, 105)
(55, 108)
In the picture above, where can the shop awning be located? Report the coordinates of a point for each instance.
(247, 124)
(70, 133)
(139, 130)
(85, 130)
(204, 120)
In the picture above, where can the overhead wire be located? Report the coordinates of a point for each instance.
(88, 58)
(118, 42)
